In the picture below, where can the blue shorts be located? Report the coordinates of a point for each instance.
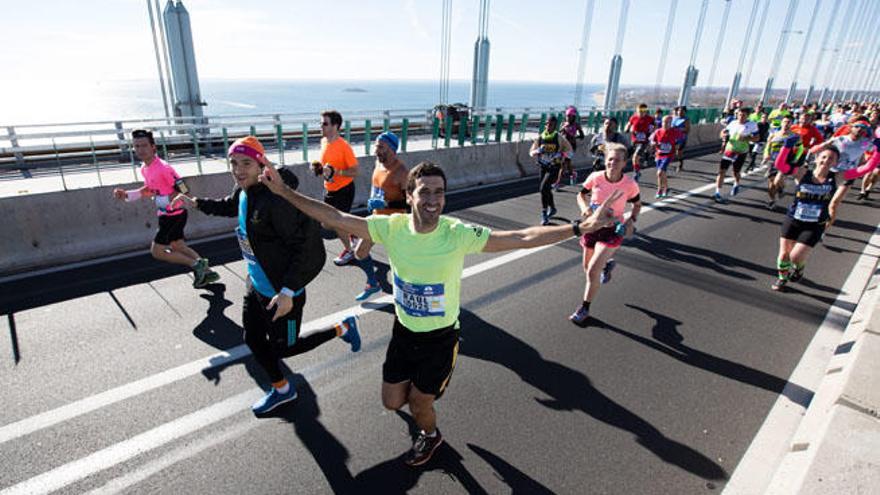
(662, 163)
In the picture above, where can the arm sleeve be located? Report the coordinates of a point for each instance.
(379, 228)
(295, 229)
(225, 207)
(471, 238)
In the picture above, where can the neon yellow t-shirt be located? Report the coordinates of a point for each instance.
(427, 267)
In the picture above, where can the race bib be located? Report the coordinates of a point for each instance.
(665, 148)
(245, 245)
(640, 136)
(807, 212)
(419, 300)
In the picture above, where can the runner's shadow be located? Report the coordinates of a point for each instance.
(304, 413)
(570, 390)
(394, 476)
(518, 481)
(216, 329)
(668, 340)
(674, 251)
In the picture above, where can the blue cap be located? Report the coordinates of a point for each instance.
(390, 139)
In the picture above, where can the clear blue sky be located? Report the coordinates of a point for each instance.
(392, 39)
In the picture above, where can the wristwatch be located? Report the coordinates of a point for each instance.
(576, 228)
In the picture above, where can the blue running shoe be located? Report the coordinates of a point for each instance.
(718, 198)
(272, 400)
(545, 218)
(580, 316)
(637, 176)
(552, 212)
(369, 290)
(351, 335)
(735, 190)
(605, 276)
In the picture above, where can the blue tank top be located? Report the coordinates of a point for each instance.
(811, 200)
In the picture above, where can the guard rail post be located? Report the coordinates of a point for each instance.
(462, 131)
(164, 145)
(499, 127)
(226, 147)
(348, 131)
(120, 136)
(435, 132)
(13, 141)
(475, 130)
(253, 131)
(542, 122)
(386, 124)
(511, 123)
(195, 139)
(279, 139)
(404, 134)
(305, 141)
(487, 129)
(95, 160)
(447, 131)
(368, 127)
(523, 125)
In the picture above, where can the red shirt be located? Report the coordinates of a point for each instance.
(640, 126)
(810, 136)
(664, 141)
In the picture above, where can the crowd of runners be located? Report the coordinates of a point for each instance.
(823, 150)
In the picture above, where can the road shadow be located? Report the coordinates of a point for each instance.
(518, 481)
(668, 340)
(570, 390)
(394, 476)
(304, 415)
(216, 329)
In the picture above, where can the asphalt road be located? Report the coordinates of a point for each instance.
(121, 377)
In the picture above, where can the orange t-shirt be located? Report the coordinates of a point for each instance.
(340, 156)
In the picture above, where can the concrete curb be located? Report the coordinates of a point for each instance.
(836, 448)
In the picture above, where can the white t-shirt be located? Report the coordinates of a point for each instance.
(850, 152)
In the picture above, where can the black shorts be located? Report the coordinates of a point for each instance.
(809, 233)
(170, 228)
(737, 163)
(426, 359)
(341, 199)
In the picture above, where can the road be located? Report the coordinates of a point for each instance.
(119, 376)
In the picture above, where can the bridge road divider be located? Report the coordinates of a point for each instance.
(57, 228)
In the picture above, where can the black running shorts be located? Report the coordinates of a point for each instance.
(426, 359)
(170, 228)
(808, 233)
(341, 199)
(737, 162)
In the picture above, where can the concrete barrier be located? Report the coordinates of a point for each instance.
(56, 228)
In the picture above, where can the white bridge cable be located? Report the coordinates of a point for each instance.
(724, 17)
(664, 50)
(850, 60)
(823, 48)
(844, 49)
(582, 52)
(754, 55)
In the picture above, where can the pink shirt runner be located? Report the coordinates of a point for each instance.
(600, 189)
(159, 177)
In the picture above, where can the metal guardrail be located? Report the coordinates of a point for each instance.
(100, 144)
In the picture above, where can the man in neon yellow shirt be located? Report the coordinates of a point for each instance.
(426, 251)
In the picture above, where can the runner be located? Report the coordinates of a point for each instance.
(776, 116)
(812, 212)
(284, 252)
(549, 149)
(599, 246)
(785, 137)
(758, 146)
(658, 118)
(738, 136)
(608, 134)
(338, 167)
(853, 148)
(572, 131)
(387, 196)
(640, 126)
(664, 142)
(681, 122)
(161, 184)
(868, 183)
(426, 251)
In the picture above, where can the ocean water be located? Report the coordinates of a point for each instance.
(32, 102)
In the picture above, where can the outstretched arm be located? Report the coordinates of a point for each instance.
(322, 212)
(529, 237)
